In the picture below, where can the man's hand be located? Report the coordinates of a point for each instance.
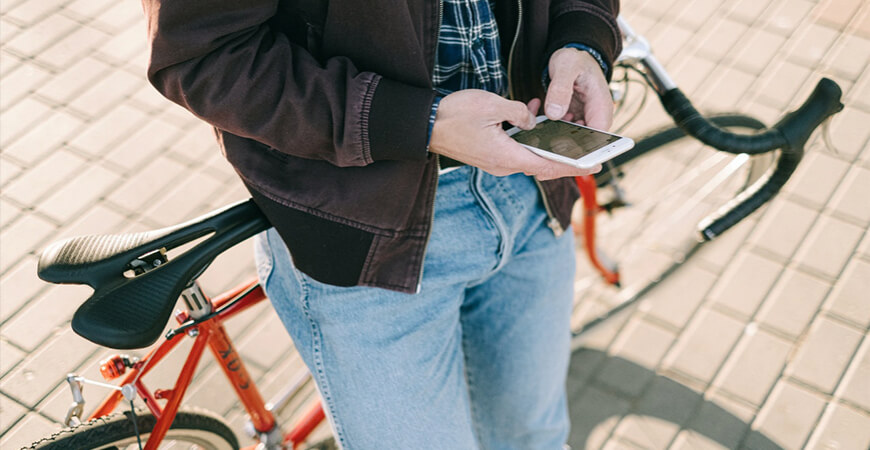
(468, 128)
(578, 91)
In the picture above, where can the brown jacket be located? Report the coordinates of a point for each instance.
(322, 107)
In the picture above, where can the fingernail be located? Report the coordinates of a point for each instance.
(556, 111)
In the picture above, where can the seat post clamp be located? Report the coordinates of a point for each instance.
(198, 305)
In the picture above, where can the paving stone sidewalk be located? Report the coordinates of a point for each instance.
(760, 341)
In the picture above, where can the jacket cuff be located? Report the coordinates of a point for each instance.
(435, 102)
(398, 121)
(545, 77)
(596, 55)
(590, 30)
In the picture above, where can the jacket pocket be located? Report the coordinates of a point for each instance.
(303, 22)
(313, 13)
(314, 39)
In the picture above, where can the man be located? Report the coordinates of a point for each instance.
(428, 320)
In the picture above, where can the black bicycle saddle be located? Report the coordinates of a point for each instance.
(126, 311)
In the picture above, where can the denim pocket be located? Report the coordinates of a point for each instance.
(263, 257)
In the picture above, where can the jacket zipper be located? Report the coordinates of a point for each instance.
(513, 48)
(438, 32)
(552, 221)
(431, 224)
(437, 162)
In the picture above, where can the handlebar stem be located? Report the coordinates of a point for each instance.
(637, 51)
(659, 78)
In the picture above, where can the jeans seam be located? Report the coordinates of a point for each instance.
(270, 258)
(317, 354)
(469, 381)
(496, 217)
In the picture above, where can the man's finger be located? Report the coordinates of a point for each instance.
(534, 105)
(546, 169)
(598, 110)
(595, 118)
(519, 114)
(559, 95)
(564, 67)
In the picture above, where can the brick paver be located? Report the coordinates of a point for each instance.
(36, 376)
(20, 82)
(662, 410)
(673, 302)
(705, 344)
(793, 303)
(828, 247)
(760, 341)
(719, 422)
(754, 366)
(18, 119)
(642, 343)
(816, 180)
(11, 356)
(29, 231)
(855, 386)
(46, 176)
(846, 299)
(743, 288)
(849, 201)
(45, 139)
(841, 427)
(786, 419)
(823, 358)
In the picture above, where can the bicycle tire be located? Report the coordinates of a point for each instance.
(646, 238)
(195, 427)
(325, 444)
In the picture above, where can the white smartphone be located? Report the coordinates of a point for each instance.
(571, 144)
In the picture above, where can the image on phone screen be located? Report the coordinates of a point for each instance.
(565, 139)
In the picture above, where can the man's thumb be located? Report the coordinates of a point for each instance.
(559, 97)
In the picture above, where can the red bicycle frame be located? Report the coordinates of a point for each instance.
(210, 332)
(590, 209)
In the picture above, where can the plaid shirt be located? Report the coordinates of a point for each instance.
(468, 55)
(469, 49)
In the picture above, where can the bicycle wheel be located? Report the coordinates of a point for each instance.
(326, 444)
(191, 429)
(654, 197)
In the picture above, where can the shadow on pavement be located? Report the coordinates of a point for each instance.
(602, 389)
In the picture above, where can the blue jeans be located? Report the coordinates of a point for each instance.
(476, 359)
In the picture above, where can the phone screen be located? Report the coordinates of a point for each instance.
(562, 138)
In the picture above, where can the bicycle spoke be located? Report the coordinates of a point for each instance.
(643, 210)
(708, 189)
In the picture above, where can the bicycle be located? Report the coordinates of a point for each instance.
(136, 285)
(655, 229)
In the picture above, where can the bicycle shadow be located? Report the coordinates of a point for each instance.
(646, 409)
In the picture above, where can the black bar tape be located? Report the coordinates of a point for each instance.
(790, 134)
(751, 198)
(694, 124)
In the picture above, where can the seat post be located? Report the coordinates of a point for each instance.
(198, 305)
